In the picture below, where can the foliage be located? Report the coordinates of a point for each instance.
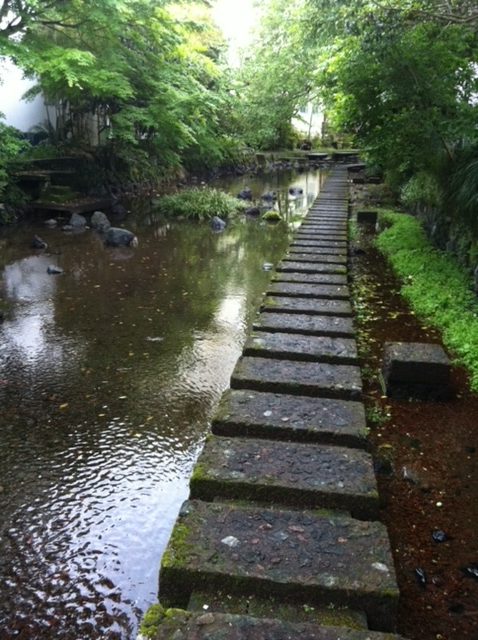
(141, 78)
(422, 190)
(435, 285)
(199, 204)
(11, 145)
(275, 79)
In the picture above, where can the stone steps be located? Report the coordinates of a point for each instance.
(284, 502)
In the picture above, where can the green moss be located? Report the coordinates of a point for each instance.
(178, 549)
(272, 216)
(156, 616)
(436, 286)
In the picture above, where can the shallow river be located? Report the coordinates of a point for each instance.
(109, 374)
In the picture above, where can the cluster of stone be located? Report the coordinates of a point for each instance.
(281, 537)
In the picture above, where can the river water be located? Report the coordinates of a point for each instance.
(109, 374)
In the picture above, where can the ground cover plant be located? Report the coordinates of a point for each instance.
(199, 204)
(437, 287)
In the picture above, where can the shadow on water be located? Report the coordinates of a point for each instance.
(108, 377)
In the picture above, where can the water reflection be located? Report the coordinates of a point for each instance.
(108, 376)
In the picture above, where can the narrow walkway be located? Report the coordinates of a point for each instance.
(282, 520)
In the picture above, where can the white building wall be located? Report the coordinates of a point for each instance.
(18, 113)
(311, 119)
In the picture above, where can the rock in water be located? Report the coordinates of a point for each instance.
(245, 194)
(54, 270)
(100, 222)
(116, 237)
(77, 221)
(296, 191)
(38, 243)
(217, 224)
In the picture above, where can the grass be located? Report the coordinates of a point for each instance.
(199, 204)
(437, 288)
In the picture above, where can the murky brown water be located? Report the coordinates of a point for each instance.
(108, 376)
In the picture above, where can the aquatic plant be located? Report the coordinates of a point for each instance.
(199, 204)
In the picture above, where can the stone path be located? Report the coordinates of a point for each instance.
(280, 538)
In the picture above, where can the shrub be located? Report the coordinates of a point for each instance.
(199, 204)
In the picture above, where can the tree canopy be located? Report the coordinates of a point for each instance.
(143, 78)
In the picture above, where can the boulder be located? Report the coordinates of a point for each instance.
(296, 191)
(119, 211)
(245, 194)
(253, 212)
(217, 224)
(51, 222)
(100, 222)
(77, 221)
(116, 237)
(269, 195)
(38, 243)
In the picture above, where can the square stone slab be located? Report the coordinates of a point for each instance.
(288, 474)
(305, 290)
(307, 323)
(299, 555)
(418, 370)
(298, 378)
(297, 347)
(185, 625)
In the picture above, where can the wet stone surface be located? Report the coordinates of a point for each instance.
(298, 378)
(328, 244)
(268, 607)
(308, 290)
(295, 250)
(287, 474)
(311, 306)
(308, 235)
(332, 255)
(257, 414)
(182, 625)
(311, 267)
(307, 323)
(297, 347)
(299, 554)
(310, 278)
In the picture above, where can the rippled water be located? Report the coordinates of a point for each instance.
(108, 376)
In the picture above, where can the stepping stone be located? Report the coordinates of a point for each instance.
(306, 323)
(307, 235)
(311, 267)
(286, 417)
(337, 257)
(288, 346)
(367, 217)
(288, 474)
(308, 290)
(318, 230)
(272, 608)
(297, 555)
(316, 251)
(292, 306)
(298, 378)
(312, 278)
(186, 625)
(417, 370)
(338, 244)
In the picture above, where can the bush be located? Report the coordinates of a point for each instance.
(199, 204)
(438, 289)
